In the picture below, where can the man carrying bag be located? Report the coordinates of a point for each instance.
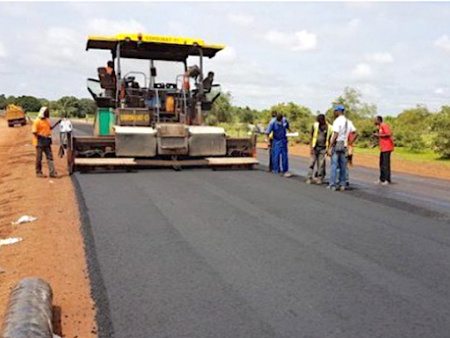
(338, 148)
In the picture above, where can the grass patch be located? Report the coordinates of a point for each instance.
(32, 114)
(235, 129)
(425, 156)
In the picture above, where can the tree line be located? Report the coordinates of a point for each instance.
(69, 106)
(415, 129)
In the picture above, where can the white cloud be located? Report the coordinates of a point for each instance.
(176, 28)
(3, 52)
(59, 48)
(361, 71)
(298, 41)
(380, 58)
(241, 19)
(360, 5)
(370, 91)
(109, 27)
(354, 23)
(64, 48)
(16, 10)
(443, 42)
(228, 55)
(439, 91)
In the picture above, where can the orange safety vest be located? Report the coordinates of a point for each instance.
(41, 127)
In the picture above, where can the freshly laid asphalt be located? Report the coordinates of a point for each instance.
(202, 253)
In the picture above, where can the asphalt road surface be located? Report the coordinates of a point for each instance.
(202, 253)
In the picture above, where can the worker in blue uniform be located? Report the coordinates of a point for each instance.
(279, 127)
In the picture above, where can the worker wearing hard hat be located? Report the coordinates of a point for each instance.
(337, 149)
(42, 131)
(279, 127)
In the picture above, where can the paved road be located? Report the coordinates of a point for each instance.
(408, 190)
(422, 194)
(202, 253)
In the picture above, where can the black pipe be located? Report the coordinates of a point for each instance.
(29, 310)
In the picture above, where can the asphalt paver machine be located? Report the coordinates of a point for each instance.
(151, 123)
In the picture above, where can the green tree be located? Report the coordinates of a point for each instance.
(440, 125)
(300, 118)
(354, 107)
(11, 100)
(245, 115)
(28, 103)
(221, 110)
(3, 102)
(410, 126)
(44, 102)
(68, 106)
(87, 107)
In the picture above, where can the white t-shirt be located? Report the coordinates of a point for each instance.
(65, 126)
(343, 127)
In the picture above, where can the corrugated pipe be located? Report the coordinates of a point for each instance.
(29, 310)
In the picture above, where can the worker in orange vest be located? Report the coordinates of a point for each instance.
(42, 131)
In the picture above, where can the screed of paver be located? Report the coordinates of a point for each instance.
(52, 245)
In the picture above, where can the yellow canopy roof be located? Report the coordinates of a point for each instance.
(153, 47)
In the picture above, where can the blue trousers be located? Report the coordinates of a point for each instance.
(338, 161)
(280, 152)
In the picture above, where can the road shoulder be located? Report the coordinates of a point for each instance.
(52, 246)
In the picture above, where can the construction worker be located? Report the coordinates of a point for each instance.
(111, 92)
(386, 148)
(65, 135)
(337, 148)
(42, 131)
(321, 133)
(279, 127)
(207, 82)
(110, 69)
(270, 141)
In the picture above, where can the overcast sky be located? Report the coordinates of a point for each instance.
(396, 54)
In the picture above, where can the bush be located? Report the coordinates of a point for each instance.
(440, 125)
(409, 139)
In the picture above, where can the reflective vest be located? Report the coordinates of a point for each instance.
(316, 134)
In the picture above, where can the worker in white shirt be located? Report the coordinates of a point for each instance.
(65, 134)
(337, 149)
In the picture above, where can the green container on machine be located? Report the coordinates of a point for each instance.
(105, 121)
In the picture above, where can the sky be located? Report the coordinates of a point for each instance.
(396, 54)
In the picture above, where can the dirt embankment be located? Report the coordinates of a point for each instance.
(52, 246)
(434, 170)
